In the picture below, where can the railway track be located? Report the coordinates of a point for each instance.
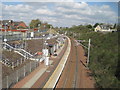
(69, 76)
(75, 74)
(76, 71)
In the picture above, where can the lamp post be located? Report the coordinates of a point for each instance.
(5, 37)
(39, 30)
(44, 27)
(39, 27)
(43, 37)
(50, 31)
(42, 41)
(6, 27)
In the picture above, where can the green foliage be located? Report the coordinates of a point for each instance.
(96, 25)
(104, 58)
(103, 55)
(38, 24)
(34, 23)
(48, 26)
(118, 27)
(115, 26)
(89, 26)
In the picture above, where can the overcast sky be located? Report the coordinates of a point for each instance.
(61, 13)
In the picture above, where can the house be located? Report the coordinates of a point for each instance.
(103, 28)
(10, 24)
(12, 30)
(6, 24)
(13, 35)
(20, 25)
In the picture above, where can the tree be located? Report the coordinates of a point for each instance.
(96, 25)
(34, 23)
(114, 26)
(118, 27)
(89, 26)
(48, 25)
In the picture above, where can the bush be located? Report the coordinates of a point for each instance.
(103, 56)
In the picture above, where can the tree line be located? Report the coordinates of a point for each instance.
(36, 23)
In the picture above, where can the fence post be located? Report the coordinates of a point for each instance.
(24, 59)
(17, 75)
(12, 65)
(24, 70)
(7, 82)
(30, 66)
(35, 65)
(21, 60)
(17, 63)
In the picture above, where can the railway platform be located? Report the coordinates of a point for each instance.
(42, 72)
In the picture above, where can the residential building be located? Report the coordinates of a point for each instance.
(10, 24)
(104, 28)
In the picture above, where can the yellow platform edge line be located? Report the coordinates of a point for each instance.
(58, 71)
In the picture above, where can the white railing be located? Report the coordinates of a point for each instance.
(26, 52)
(22, 52)
(9, 46)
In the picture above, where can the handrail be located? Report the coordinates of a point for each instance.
(18, 50)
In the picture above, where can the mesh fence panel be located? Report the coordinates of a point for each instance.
(27, 68)
(33, 66)
(12, 79)
(4, 82)
(19, 74)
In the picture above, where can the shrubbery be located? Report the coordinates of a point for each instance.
(104, 58)
(103, 55)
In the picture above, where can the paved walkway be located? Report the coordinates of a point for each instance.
(58, 71)
(45, 77)
(58, 51)
(36, 77)
(29, 80)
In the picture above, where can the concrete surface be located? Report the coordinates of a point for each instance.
(58, 71)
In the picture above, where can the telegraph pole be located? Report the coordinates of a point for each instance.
(88, 48)
(88, 52)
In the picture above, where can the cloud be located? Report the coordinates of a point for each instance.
(44, 12)
(17, 8)
(1, 17)
(38, 0)
(60, 14)
(59, 0)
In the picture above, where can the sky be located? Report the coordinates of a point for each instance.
(61, 14)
